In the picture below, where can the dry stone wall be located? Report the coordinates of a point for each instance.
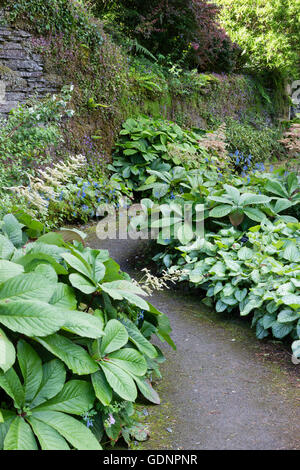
(22, 73)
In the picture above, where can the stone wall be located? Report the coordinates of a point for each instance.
(22, 73)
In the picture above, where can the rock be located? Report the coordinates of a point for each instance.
(21, 69)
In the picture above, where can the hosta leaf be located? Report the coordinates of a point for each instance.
(54, 376)
(292, 300)
(70, 428)
(296, 348)
(221, 306)
(48, 437)
(31, 368)
(7, 352)
(291, 252)
(245, 253)
(261, 332)
(9, 269)
(287, 315)
(102, 388)
(115, 337)
(252, 303)
(129, 360)
(240, 294)
(120, 381)
(280, 330)
(31, 318)
(74, 356)
(20, 436)
(8, 417)
(26, 287)
(76, 398)
(82, 283)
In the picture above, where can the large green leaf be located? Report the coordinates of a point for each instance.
(147, 390)
(7, 352)
(115, 337)
(102, 388)
(26, 287)
(64, 297)
(6, 248)
(255, 214)
(76, 397)
(31, 317)
(9, 269)
(82, 283)
(32, 260)
(13, 229)
(70, 428)
(125, 290)
(11, 384)
(74, 356)
(83, 324)
(140, 341)
(31, 368)
(48, 437)
(20, 436)
(120, 381)
(54, 376)
(79, 265)
(220, 211)
(249, 198)
(129, 360)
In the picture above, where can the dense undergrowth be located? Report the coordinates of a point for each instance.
(74, 342)
(246, 253)
(75, 337)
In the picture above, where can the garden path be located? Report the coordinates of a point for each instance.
(222, 388)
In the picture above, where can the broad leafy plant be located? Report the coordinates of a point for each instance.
(66, 310)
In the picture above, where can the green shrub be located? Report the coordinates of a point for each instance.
(29, 134)
(149, 144)
(67, 311)
(259, 141)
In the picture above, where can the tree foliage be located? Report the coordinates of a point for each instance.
(267, 30)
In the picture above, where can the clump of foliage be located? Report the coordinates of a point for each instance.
(58, 194)
(254, 138)
(74, 341)
(69, 18)
(186, 28)
(148, 144)
(267, 31)
(30, 133)
(232, 264)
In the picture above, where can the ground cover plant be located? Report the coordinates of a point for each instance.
(75, 342)
(248, 259)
